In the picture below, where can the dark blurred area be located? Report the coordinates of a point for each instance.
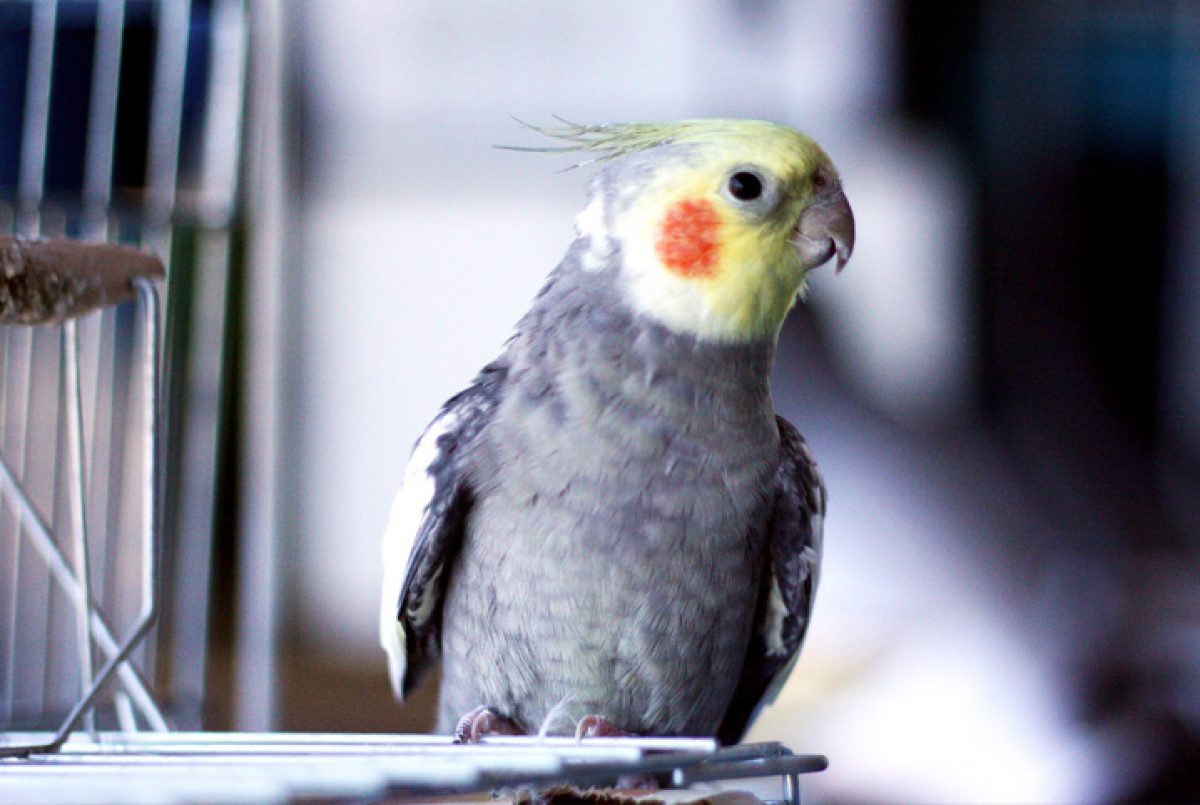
(74, 55)
(1079, 123)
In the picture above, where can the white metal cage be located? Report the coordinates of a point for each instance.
(51, 495)
(120, 121)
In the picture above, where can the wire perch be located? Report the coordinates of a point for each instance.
(50, 281)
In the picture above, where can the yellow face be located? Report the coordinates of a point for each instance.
(708, 243)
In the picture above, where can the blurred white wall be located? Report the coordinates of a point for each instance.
(422, 244)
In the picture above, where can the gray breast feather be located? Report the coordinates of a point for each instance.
(575, 465)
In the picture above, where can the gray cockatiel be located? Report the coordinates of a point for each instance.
(611, 519)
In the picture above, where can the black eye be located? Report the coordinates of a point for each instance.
(745, 186)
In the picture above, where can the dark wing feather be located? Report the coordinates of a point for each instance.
(426, 529)
(789, 584)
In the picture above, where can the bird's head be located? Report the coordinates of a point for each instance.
(717, 222)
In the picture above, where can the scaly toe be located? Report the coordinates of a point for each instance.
(598, 727)
(482, 722)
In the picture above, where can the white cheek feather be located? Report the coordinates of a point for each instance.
(590, 224)
(404, 523)
(676, 302)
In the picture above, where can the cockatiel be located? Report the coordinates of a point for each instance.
(610, 523)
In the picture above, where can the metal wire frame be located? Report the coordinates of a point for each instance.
(201, 194)
(258, 767)
(73, 581)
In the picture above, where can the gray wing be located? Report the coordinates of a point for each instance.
(425, 530)
(789, 584)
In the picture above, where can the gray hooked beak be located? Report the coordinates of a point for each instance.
(825, 229)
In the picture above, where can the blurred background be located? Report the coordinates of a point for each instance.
(1002, 389)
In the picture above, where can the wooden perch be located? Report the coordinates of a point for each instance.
(47, 281)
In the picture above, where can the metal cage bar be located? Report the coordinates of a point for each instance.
(164, 173)
(258, 767)
(46, 282)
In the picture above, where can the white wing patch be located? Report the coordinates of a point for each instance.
(810, 556)
(773, 624)
(408, 513)
(777, 610)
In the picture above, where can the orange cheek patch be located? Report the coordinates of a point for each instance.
(687, 240)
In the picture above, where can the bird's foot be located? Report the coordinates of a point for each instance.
(482, 722)
(598, 727)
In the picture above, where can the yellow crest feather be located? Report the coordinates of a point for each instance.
(609, 141)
